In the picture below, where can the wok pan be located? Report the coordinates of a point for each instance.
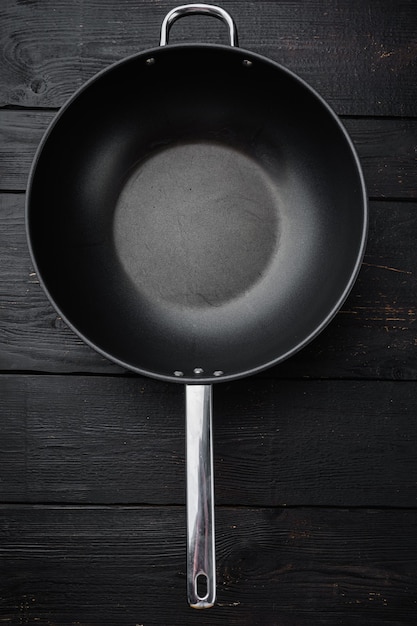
(197, 213)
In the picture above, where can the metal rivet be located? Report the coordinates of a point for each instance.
(178, 373)
(198, 371)
(150, 61)
(247, 63)
(218, 373)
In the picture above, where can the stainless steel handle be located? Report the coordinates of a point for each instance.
(198, 9)
(201, 560)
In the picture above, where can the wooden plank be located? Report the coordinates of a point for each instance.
(20, 135)
(121, 440)
(373, 336)
(126, 566)
(360, 54)
(387, 150)
(388, 153)
(27, 319)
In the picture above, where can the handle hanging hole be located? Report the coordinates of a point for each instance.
(201, 586)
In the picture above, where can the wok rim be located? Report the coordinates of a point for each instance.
(306, 339)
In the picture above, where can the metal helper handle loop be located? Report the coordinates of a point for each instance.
(198, 9)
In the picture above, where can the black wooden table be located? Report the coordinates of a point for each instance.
(315, 460)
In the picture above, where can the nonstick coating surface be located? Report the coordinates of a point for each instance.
(196, 207)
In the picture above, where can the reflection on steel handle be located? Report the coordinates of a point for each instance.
(201, 561)
(198, 9)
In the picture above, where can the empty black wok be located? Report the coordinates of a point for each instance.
(197, 213)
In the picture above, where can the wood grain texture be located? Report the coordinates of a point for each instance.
(387, 150)
(373, 336)
(125, 566)
(20, 135)
(359, 54)
(121, 440)
(19, 287)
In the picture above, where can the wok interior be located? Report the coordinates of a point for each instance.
(196, 207)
